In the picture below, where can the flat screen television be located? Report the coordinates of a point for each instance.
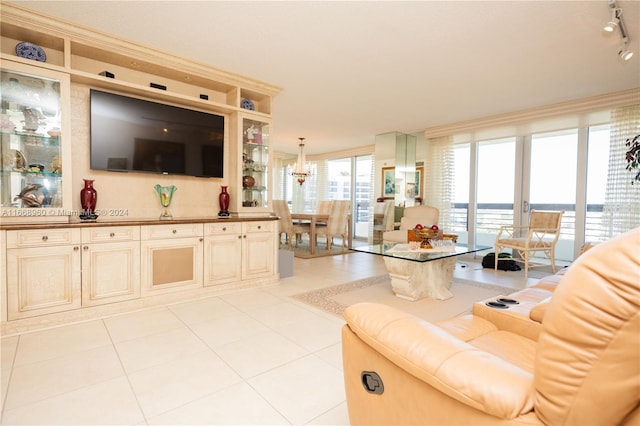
(134, 135)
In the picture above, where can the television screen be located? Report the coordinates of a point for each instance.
(129, 134)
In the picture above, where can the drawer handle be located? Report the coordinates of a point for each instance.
(224, 229)
(244, 236)
(201, 239)
(239, 236)
(45, 238)
(113, 234)
(76, 248)
(85, 248)
(175, 231)
(259, 226)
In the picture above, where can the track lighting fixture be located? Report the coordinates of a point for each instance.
(624, 53)
(616, 21)
(613, 22)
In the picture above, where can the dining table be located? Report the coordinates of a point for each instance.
(319, 218)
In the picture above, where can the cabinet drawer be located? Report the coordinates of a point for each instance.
(163, 232)
(222, 228)
(42, 237)
(259, 226)
(109, 234)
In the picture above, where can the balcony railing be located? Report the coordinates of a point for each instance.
(490, 217)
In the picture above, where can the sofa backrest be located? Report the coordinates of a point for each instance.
(587, 366)
(423, 215)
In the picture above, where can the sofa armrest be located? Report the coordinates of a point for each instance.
(473, 377)
(538, 311)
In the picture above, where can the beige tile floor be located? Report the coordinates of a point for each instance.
(251, 357)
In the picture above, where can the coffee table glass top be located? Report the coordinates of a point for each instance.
(404, 251)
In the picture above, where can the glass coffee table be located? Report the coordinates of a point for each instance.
(419, 273)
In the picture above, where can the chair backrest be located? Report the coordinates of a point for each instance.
(587, 365)
(384, 217)
(337, 223)
(546, 220)
(423, 215)
(281, 209)
(324, 206)
(389, 218)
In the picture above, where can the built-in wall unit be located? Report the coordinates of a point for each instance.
(159, 137)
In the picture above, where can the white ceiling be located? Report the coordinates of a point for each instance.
(351, 70)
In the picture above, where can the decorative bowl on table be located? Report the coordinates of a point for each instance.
(425, 233)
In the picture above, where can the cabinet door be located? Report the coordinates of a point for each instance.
(257, 250)
(42, 280)
(170, 265)
(110, 272)
(222, 258)
(34, 143)
(254, 174)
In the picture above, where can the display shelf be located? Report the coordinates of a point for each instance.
(13, 34)
(255, 163)
(31, 150)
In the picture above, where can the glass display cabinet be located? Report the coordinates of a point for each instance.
(255, 163)
(31, 172)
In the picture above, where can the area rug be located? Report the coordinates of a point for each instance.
(302, 251)
(377, 289)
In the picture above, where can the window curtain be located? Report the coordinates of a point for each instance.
(440, 178)
(622, 199)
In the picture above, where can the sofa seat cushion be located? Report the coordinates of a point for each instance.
(513, 348)
(466, 327)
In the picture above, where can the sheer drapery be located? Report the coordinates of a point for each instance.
(622, 199)
(440, 178)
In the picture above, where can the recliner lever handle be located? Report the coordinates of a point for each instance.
(372, 382)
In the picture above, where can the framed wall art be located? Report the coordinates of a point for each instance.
(388, 182)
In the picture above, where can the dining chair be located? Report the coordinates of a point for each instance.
(324, 206)
(336, 224)
(286, 225)
(541, 235)
(383, 219)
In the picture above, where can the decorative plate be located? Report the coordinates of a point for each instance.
(247, 104)
(31, 51)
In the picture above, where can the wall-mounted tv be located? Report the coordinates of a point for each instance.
(135, 135)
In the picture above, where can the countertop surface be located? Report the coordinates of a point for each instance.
(127, 222)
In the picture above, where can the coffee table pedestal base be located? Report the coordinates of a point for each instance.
(417, 280)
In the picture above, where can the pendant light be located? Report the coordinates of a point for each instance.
(301, 171)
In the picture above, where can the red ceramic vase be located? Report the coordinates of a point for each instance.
(88, 196)
(223, 199)
(88, 200)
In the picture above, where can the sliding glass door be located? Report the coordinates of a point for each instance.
(498, 182)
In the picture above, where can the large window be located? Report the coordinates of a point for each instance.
(346, 178)
(542, 171)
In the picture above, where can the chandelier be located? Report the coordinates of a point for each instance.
(301, 171)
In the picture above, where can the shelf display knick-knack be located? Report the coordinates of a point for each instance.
(165, 194)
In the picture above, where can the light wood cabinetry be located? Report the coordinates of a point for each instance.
(43, 272)
(171, 257)
(222, 253)
(110, 264)
(76, 271)
(258, 249)
(238, 251)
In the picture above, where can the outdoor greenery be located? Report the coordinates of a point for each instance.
(633, 157)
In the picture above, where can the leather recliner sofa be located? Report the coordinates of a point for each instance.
(583, 368)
